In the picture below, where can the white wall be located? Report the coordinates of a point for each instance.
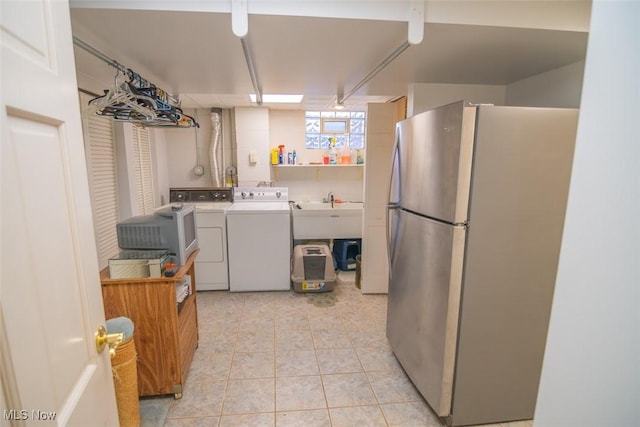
(181, 150)
(559, 88)
(425, 96)
(591, 370)
(556, 88)
(286, 127)
(314, 184)
(252, 136)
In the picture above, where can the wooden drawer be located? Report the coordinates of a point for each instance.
(187, 333)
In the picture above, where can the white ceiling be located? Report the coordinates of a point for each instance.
(198, 56)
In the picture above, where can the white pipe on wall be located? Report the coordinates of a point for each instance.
(215, 147)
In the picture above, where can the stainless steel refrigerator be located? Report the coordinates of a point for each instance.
(476, 210)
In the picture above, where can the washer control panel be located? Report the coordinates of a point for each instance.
(261, 194)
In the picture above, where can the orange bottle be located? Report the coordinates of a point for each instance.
(345, 156)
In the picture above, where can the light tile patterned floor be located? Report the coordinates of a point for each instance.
(288, 359)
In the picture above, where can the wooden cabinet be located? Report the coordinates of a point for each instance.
(165, 334)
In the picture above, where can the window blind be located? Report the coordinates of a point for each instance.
(103, 183)
(143, 170)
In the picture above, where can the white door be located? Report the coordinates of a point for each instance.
(50, 297)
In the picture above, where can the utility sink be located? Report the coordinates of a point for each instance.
(318, 220)
(310, 206)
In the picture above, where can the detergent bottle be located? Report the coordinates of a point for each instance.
(333, 152)
(281, 154)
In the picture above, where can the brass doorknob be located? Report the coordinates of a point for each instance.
(112, 340)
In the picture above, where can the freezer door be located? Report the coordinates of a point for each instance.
(423, 303)
(435, 150)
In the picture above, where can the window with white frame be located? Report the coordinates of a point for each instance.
(346, 126)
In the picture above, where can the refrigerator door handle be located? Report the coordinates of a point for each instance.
(393, 204)
(391, 240)
(395, 172)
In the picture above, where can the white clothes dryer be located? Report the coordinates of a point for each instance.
(211, 204)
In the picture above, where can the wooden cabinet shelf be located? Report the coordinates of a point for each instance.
(165, 334)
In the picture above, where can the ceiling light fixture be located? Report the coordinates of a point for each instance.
(278, 99)
(339, 106)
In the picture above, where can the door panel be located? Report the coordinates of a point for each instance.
(51, 304)
(435, 151)
(423, 303)
(37, 143)
(211, 242)
(209, 273)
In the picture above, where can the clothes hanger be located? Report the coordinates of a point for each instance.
(135, 99)
(110, 96)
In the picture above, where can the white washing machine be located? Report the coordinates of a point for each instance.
(259, 239)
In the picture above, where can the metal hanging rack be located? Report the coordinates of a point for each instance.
(136, 100)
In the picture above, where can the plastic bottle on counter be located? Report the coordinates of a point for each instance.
(345, 156)
(281, 154)
(333, 152)
(325, 157)
(231, 176)
(294, 156)
(274, 156)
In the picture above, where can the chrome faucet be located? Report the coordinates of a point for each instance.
(329, 198)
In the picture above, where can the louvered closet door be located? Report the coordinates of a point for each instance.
(143, 170)
(101, 164)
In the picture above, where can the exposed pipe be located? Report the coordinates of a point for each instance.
(115, 64)
(198, 169)
(375, 71)
(223, 167)
(95, 52)
(252, 70)
(214, 148)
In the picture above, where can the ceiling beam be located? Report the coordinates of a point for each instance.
(416, 22)
(252, 70)
(239, 18)
(393, 55)
(572, 15)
